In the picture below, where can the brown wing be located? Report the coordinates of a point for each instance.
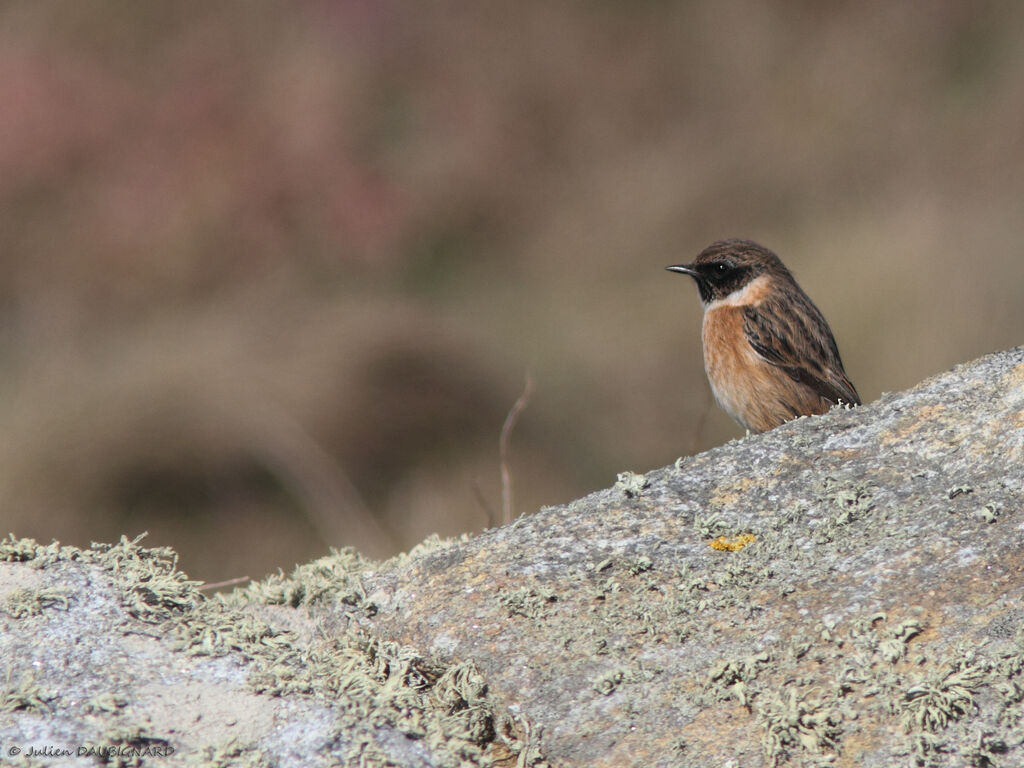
(812, 359)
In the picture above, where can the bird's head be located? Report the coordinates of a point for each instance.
(728, 266)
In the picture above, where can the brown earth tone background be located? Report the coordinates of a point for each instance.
(271, 275)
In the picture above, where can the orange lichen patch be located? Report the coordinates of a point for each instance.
(732, 543)
(724, 495)
(998, 426)
(1017, 372)
(908, 426)
(931, 411)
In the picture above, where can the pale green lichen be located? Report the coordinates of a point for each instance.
(958, 490)
(730, 678)
(15, 550)
(215, 630)
(433, 543)
(234, 754)
(792, 718)
(104, 703)
(989, 513)
(155, 589)
(608, 682)
(710, 526)
(635, 673)
(847, 496)
(521, 741)
(530, 602)
(639, 564)
(20, 603)
(373, 683)
(631, 484)
(330, 580)
(940, 697)
(23, 694)
(893, 645)
(370, 683)
(849, 502)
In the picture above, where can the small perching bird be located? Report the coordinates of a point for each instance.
(768, 352)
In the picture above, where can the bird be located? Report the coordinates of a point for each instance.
(769, 354)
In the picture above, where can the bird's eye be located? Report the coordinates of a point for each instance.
(721, 268)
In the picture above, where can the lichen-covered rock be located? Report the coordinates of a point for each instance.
(844, 590)
(112, 656)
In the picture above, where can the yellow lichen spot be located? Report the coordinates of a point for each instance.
(732, 543)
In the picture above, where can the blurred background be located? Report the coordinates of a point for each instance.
(273, 274)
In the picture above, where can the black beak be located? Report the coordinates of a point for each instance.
(685, 269)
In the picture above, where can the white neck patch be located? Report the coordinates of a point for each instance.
(751, 293)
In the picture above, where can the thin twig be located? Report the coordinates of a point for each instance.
(699, 427)
(478, 493)
(228, 583)
(510, 421)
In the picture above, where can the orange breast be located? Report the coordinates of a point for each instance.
(758, 395)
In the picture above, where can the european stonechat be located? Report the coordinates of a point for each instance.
(768, 352)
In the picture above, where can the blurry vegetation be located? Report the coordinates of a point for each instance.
(273, 273)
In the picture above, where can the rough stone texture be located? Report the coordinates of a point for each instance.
(875, 620)
(844, 590)
(113, 657)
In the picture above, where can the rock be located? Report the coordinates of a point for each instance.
(842, 590)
